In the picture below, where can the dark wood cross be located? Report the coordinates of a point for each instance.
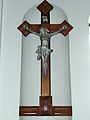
(45, 108)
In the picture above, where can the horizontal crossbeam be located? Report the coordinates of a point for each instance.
(50, 27)
(56, 111)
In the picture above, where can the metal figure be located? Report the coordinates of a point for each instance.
(43, 51)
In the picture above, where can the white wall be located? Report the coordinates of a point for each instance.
(77, 12)
(1, 9)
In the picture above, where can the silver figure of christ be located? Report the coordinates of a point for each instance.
(43, 51)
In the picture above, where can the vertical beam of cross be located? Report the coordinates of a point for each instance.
(45, 9)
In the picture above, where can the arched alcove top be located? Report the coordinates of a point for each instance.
(57, 15)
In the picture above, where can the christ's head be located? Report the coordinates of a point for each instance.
(43, 31)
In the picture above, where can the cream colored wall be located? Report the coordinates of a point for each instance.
(1, 9)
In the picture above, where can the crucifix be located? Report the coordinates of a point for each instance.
(45, 31)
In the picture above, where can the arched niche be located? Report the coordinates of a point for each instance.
(31, 68)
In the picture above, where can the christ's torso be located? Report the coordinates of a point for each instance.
(45, 40)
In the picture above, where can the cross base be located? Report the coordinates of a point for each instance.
(45, 109)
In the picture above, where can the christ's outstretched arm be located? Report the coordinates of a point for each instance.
(54, 33)
(33, 32)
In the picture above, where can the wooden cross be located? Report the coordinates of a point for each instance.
(45, 108)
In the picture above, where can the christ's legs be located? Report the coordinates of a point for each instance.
(45, 65)
(43, 52)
